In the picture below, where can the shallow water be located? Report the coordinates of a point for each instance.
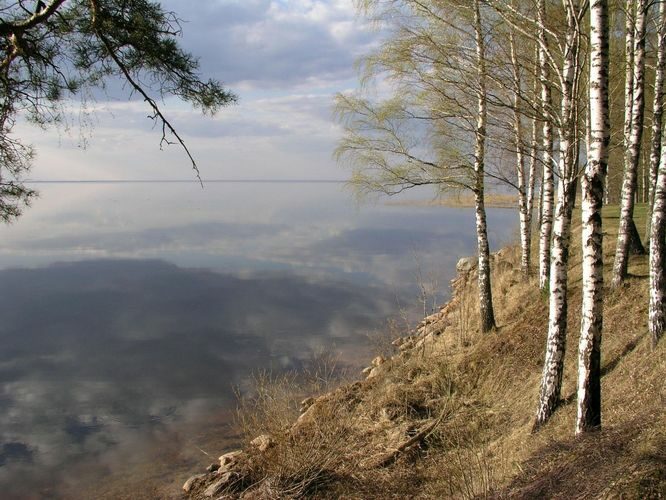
(130, 311)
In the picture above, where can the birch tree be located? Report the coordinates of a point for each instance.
(589, 350)
(551, 382)
(530, 22)
(547, 179)
(657, 111)
(532, 176)
(486, 311)
(433, 129)
(515, 115)
(532, 170)
(634, 114)
(657, 307)
(524, 177)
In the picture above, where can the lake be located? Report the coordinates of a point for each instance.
(131, 311)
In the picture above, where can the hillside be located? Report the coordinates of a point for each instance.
(449, 414)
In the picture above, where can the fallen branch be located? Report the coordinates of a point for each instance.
(420, 436)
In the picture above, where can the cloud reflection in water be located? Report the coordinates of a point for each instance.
(172, 295)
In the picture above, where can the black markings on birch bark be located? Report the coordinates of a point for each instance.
(531, 176)
(589, 349)
(547, 179)
(487, 315)
(657, 307)
(633, 130)
(551, 382)
(523, 208)
(657, 113)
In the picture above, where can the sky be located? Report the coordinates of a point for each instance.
(285, 59)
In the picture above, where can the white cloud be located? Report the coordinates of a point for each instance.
(277, 44)
(289, 136)
(285, 59)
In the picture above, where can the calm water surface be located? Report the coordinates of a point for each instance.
(130, 311)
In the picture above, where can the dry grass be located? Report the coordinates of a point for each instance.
(476, 395)
(273, 402)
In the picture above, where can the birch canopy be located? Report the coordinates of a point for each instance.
(430, 127)
(422, 133)
(386, 145)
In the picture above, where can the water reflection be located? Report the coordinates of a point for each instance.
(169, 296)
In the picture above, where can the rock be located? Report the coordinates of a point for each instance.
(398, 342)
(303, 420)
(225, 480)
(263, 442)
(379, 365)
(213, 467)
(307, 416)
(428, 320)
(503, 252)
(187, 487)
(229, 459)
(379, 360)
(466, 264)
(366, 371)
(307, 403)
(407, 345)
(429, 323)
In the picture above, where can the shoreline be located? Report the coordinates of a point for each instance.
(491, 201)
(451, 411)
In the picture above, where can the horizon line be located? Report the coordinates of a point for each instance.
(183, 181)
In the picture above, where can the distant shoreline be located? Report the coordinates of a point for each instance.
(188, 181)
(507, 201)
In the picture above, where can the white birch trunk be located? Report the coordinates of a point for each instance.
(589, 349)
(629, 31)
(531, 182)
(540, 205)
(657, 308)
(551, 382)
(487, 315)
(657, 113)
(635, 113)
(547, 184)
(534, 154)
(523, 211)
